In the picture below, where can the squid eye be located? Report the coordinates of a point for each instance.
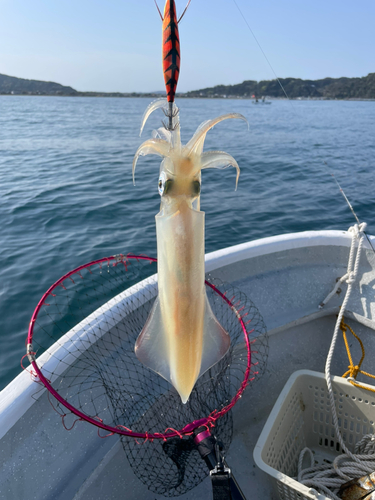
(164, 184)
(161, 183)
(195, 188)
(168, 186)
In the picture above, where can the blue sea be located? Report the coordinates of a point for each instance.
(66, 192)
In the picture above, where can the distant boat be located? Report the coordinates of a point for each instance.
(261, 101)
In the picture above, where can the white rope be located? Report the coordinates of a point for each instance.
(328, 478)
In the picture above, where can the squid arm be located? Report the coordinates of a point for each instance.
(154, 146)
(219, 159)
(159, 103)
(196, 143)
(162, 104)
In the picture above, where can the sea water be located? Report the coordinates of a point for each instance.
(66, 192)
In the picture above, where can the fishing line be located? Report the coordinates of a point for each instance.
(260, 47)
(349, 204)
(294, 111)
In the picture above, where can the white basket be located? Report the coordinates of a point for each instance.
(302, 417)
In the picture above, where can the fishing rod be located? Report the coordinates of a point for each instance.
(291, 102)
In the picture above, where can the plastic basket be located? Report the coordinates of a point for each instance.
(302, 417)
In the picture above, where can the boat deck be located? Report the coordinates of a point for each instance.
(113, 478)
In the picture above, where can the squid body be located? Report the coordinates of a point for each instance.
(181, 338)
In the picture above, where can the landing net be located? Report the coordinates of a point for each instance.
(81, 347)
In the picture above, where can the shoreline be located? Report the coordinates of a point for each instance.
(158, 96)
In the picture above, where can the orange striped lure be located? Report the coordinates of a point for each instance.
(182, 338)
(171, 51)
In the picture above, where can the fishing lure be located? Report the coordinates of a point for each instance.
(181, 338)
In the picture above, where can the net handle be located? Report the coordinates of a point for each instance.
(189, 428)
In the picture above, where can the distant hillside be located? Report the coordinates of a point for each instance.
(13, 85)
(328, 88)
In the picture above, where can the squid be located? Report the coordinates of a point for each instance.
(182, 338)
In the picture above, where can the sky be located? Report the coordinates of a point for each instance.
(115, 45)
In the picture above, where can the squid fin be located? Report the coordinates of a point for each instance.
(151, 347)
(216, 340)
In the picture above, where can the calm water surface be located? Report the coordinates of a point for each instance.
(66, 195)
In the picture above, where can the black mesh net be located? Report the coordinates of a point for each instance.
(92, 320)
